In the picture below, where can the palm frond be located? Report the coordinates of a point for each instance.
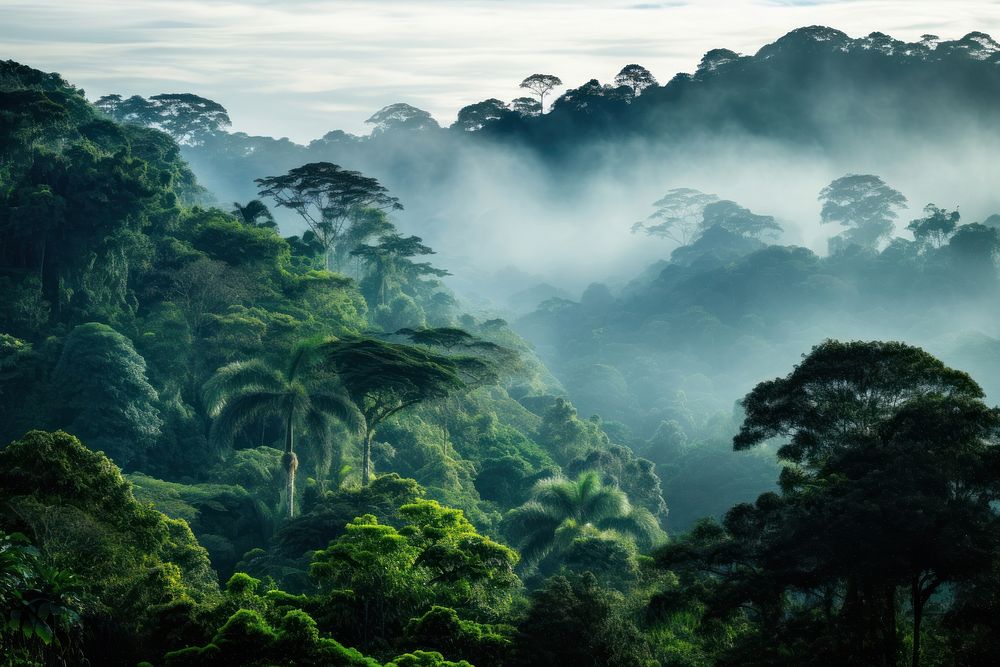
(335, 402)
(639, 524)
(558, 494)
(532, 519)
(537, 546)
(602, 502)
(243, 409)
(237, 378)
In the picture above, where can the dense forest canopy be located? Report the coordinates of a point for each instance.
(344, 403)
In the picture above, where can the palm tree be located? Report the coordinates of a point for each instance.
(305, 393)
(254, 214)
(561, 510)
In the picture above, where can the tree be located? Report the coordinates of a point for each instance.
(619, 467)
(466, 570)
(365, 224)
(976, 247)
(203, 287)
(303, 394)
(477, 116)
(384, 378)
(442, 629)
(326, 197)
(885, 490)
(102, 393)
(254, 214)
(188, 118)
(678, 215)
(839, 394)
(541, 85)
(636, 77)
(392, 574)
(401, 116)
(80, 512)
(136, 110)
(390, 265)
(865, 205)
(248, 638)
(574, 621)
(564, 435)
(738, 220)
(378, 565)
(526, 107)
(936, 227)
(561, 510)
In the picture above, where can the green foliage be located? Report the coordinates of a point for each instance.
(118, 291)
(103, 393)
(576, 622)
(390, 576)
(39, 605)
(304, 394)
(327, 517)
(884, 498)
(466, 570)
(247, 638)
(619, 467)
(384, 378)
(377, 565)
(424, 659)
(562, 511)
(81, 513)
(228, 520)
(441, 630)
(564, 436)
(326, 197)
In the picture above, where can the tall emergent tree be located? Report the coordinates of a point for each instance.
(936, 227)
(635, 77)
(389, 262)
(678, 215)
(383, 378)
(305, 394)
(400, 116)
(526, 106)
(738, 220)
(188, 118)
(326, 196)
(541, 85)
(865, 205)
(476, 116)
(885, 490)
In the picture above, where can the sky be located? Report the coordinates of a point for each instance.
(299, 68)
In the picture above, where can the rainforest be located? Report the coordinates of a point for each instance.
(682, 371)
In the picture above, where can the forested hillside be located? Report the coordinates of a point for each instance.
(254, 418)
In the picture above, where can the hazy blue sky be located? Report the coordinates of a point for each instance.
(298, 68)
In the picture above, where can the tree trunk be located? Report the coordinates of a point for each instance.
(291, 463)
(890, 637)
(366, 463)
(917, 602)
